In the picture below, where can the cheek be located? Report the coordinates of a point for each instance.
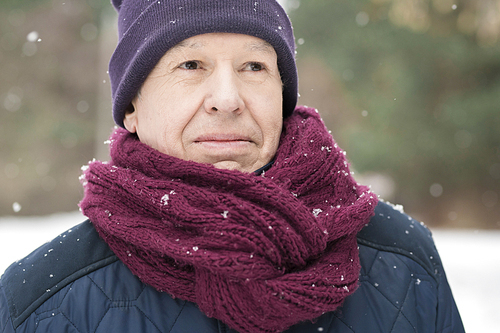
(271, 122)
(273, 117)
(274, 132)
(268, 113)
(156, 128)
(170, 134)
(173, 130)
(164, 111)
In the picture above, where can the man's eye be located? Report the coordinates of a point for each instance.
(190, 65)
(255, 66)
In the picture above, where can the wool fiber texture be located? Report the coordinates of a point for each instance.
(258, 252)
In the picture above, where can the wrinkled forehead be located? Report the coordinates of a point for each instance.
(253, 44)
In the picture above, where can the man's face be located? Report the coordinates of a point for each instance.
(213, 98)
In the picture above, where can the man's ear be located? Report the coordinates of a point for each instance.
(130, 120)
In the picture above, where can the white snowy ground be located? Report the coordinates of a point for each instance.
(471, 259)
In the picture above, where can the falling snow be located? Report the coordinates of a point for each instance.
(164, 199)
(316, 212)
(32, 36)
(475, 249)
(16, 207)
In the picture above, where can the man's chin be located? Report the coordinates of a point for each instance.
(232, 165)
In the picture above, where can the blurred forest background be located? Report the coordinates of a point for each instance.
(410, 88)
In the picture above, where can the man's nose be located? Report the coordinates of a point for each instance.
(223, 92)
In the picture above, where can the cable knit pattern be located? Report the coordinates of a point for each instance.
(259, 252)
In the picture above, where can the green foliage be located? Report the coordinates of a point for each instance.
(430, 91)
(433, 98)
(20, 4)
(30, 4)
(48, 101)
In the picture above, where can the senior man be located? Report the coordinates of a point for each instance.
(224, 208)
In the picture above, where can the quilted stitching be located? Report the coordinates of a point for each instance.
(400, 312)
(396, 294)
(141, 301)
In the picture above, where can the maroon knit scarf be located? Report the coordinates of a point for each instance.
(259, 252)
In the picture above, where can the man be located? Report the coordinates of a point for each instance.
(224, 207)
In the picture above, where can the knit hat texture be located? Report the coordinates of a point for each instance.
(148, 29)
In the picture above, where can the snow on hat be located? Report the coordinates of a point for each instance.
(148, 29)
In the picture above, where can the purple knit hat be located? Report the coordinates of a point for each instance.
(149, 28)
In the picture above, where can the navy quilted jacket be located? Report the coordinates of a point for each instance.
(76, 284)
